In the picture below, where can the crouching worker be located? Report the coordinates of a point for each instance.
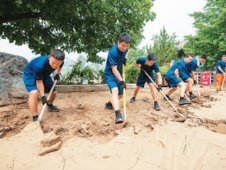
(149, 65)
(174, 81)
(37, 80)
(191, 79)
(113, 73)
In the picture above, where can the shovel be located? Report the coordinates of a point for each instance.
(44, 106)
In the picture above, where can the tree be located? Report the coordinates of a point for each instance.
(211, 32)
(164, 47)
(84, 26)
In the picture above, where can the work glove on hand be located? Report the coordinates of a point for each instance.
(195, 82)
(159, 88)
(44, 100)
(57, 77)
(123, 84)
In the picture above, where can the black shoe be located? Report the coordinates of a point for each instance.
(168, 98)
(156, 106)
(118, 117)
(183, 101)
(52, 108)
(192, 96)
(132, 100)
(35, 118)
(108, 106)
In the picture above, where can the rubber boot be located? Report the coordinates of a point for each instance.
(132, 100)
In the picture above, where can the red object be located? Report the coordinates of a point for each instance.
(205, 79)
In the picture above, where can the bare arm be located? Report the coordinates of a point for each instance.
(193, 75)
(159, 78)
(219, 68)
(116, 73)
(40, 87)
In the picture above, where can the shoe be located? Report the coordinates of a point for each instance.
(168, 98)
(118, 118)
(192, 96)
(183, 101)
(52, 108)
(35, 118)
(156, 106)
(108, 106)
(132, 100)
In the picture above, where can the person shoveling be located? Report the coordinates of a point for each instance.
(37, 80)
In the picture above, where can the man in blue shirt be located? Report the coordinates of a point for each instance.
(220, 72)
(173, 80)
(37, 80)
(113, 73)
(221, 65)
(149, 65)
(190, 72)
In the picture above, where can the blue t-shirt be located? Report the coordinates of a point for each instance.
(222, 65)
(39, 68)
(115, 58)
(192, 66)
(181, 66)
(148, 69)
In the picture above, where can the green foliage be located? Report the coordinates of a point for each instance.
(164, 47)
(211, 32)
(164, 68)
(84, 26)
(78, 74)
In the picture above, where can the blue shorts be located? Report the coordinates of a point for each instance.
(30, 84)
(112, 83)
(142, 79)
(172, 81)
(185, 77)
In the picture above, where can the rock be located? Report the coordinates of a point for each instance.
(46, 150)
(12, 90)
(50, 139)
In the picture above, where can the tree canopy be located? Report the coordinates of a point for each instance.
(84, 26)
(211, 31)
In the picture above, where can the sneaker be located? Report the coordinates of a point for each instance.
(168, 98)
(183, 101)
(156, 106)
(108, 106)
(52, 108)
(132, 100)
(35, 118)
(118, 118)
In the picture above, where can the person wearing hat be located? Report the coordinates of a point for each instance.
(37, 80)
(149, 65)
(113, 73)
(173, 80)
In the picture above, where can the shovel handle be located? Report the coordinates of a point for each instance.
(44, 106)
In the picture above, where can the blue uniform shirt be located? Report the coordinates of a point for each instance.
(115, 58)
(148, 69)
(192, 66)
(222, 65)
(182, 68)
(38, 68)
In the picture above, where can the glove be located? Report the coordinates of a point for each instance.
(124, 61)
(123, 84)
(159, 88)
(44, 100)
(195, 82)
(57, 77)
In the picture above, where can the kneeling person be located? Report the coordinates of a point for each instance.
(37, 80)
(149, 65)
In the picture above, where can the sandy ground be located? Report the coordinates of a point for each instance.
(149, 140)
